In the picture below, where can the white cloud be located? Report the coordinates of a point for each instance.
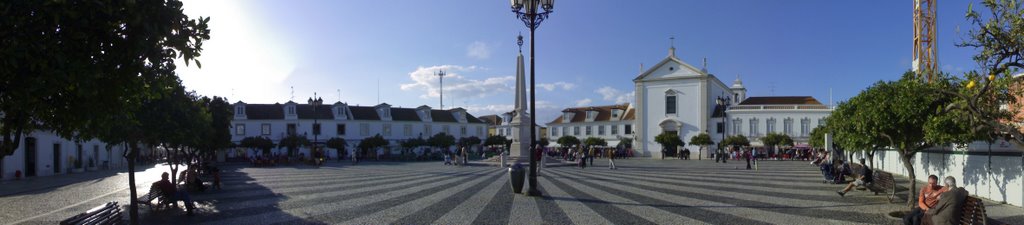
(584, 102)
(456, 85)
(612, 94)
(480, 110)
(552, 86)
(478, 50)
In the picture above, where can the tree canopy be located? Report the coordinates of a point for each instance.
(594, 141)
(669, 140)
(568, 141)
(441, 140)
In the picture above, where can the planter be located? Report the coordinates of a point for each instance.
(517, 176)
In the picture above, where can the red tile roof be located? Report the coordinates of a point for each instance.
(781, 100)
(604, 113)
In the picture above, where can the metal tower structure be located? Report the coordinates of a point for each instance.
(441, 75)
(925, 62)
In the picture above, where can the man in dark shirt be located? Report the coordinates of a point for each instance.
(864, 179)
(171, 191)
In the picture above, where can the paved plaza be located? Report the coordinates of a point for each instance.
(641, 191)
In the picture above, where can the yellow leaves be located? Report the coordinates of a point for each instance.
(991, 77)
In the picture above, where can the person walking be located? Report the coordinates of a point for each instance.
(591, 154)
(611, 158)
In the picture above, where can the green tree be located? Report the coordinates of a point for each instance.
(544, 142)
(669, 140)
(817, 139)
(594, 141)
(736, 141)
(219, 134)
(975, 113)
(257, 143)
(83, 69)
(441, 140)
(702, 140)
(495, 140)
(568, 141)
(338, 144)
(293, 142)
(901, 113)
(469, 141)
(625, 143)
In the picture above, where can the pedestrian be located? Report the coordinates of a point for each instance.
(447, 159)
(216, 178)
(611, 159)
(591, 155)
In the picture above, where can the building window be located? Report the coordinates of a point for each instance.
(629, 129)
(769, 126)
(600, 130)
(316, 129)
(737, 125)
(501, 132)
(239, 129)
(341, 129)
(670, 104)
(265, 129)
(576, 131)
(566, 118)
(291, 110)
(615, 113)
(591, 115)
(407, 130)
(240, 110)
(753, 127)
(445, 129)
(615, 129)
(787, 126)
(720, 128)
(565, 131)
(364, 129)
(554, 131)
(387, 129)
(462, 130)
(291, 129)
(428, 129)
(479, 131)
(589, 131)
(805, 126)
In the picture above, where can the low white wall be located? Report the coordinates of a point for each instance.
(998, 176)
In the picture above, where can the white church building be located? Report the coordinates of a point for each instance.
(674, 96)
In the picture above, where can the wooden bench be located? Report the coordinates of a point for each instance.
(155, 194)
(882, 182)
(973, 211)
(109, 213)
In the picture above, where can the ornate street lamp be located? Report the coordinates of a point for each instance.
(723, 103)
(526, 10)
(315, 102)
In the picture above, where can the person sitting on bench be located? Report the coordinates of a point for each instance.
(950, 205)
(863, 180)
(927, 199)
(171, 191)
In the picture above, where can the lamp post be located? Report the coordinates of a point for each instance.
(526, 10)
(315, 102)
(722, 103)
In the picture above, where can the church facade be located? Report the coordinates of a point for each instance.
(674, 96)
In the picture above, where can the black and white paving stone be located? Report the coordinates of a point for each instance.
(641, 191)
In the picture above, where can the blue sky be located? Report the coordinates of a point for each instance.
(588, 52)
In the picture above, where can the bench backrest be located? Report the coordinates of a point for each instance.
(973, 211)
(103, 214)
(883, 179)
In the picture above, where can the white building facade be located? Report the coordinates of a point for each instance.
(353, 123)
(43, 153)
(611, 123)
(674, 96)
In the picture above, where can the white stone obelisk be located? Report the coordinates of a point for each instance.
(520, 149)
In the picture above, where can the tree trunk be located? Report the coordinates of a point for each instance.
(871, 158)
(133, 208)
(912, 193)
(173, 163)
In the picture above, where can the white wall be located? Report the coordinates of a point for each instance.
(44, 163)
(555, 131)
(780, 117)
(996, 177)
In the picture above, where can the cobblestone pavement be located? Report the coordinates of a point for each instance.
(639, 192)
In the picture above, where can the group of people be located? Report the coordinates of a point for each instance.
(936, 204)
(587, 156)
(461, 157)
